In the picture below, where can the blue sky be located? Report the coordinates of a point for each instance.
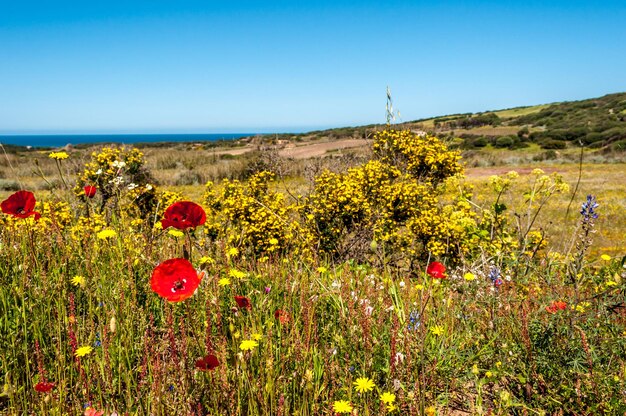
(252, 66)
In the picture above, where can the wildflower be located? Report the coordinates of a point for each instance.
(322, 269)
(248, 345)
(469, 276)
(387, 398)
(58, 155)
(282, 316)
(82, 351)
(90, 411)
(243, 302)
(494, 275)
(588, 207)
(207, 363)
(363, 385)
(436, 270)
(233, 251)
(267, 289)
(78, 281)
(257, 337)
(414, 321)
(605, 257)
(104, 234)
(224, 281)
(206, 259)
(183, 215)
(44, 386)
(175, 280)
(436, 330)
(342, 406)
(556, 306)
(237, 274)
(391, 407)
(20, 205)
(488, 374)
(273, 241)
(176, 233)
(90, 191)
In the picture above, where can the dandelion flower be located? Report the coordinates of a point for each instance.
(206, 260)
(176, 233)
(273, 241)
(82, 351)
(342, 406)
(78, 281)
(58, 155)
(224, 281)
(257, 337)
(436, 330)
(248, 345)
(391, 407)
(363, 384)
(237, 274)
(233, 251)
(322, 269)
(605, 257)
(104, 234)
(387, 397)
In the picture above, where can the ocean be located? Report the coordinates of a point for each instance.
(59, 140)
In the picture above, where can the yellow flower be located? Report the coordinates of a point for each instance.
(78, 281)
(175, 233)
(233, 251)
(419, 287)
(257, 337)
(387, 398)
(488, 374)
(237, 274)
(248, 345)
(104, 234)
(206, 259)
(322, 269)
(475, 369)
(391, 407)
(58, 155)
(82, 351)
(605, 257)
(436, 330)
(363, 385)
(342, 406)
(224, 281)
(469, 276)
(273, 241)
(430, 411)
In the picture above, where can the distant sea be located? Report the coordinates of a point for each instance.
(59, 140)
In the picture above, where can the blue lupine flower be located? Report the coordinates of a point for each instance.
(494, 275)
(414, 320)
(588, 207)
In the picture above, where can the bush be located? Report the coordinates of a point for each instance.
(504, 141)
(553, 144)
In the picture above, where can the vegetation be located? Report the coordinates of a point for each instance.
(390, 284)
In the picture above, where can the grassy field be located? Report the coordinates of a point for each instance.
(388, 286)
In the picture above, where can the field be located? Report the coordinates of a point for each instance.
(363, 277)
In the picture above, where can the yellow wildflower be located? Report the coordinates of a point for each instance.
(469, 276)
(58, 155)
(387, 397)
(436, 330)
(322, 269)
(237, 274)
(224, 281)
(108, 233)
(233, 251)
(605, 257)
(82, 351)
(257, 337)
(273, 241)
(342, 406)
(206, 259)
(363, 385)
(248, 345)
(175, 233)
(78, 281)
(391, 407)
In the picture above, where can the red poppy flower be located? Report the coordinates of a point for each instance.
(207, 363)
(44, 386)
(90, 191)
(183, 215)
(436, 270)
(243, 302)
(20, 204)
(282, 316)
(175, 280)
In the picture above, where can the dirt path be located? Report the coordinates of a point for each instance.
(303, 151)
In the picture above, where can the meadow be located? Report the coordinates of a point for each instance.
(393, 278)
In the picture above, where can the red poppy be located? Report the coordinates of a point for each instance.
(436, 270)
(243, 302)
(44, 386)
(557, 305)
(175, 280)
(282, 316)
(183, 215)
(20, 204)
(207, 363)
(90, 191)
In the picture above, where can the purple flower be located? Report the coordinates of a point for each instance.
(588, 209)
(267, 289)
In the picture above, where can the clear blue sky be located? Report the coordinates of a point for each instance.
(248, 66)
